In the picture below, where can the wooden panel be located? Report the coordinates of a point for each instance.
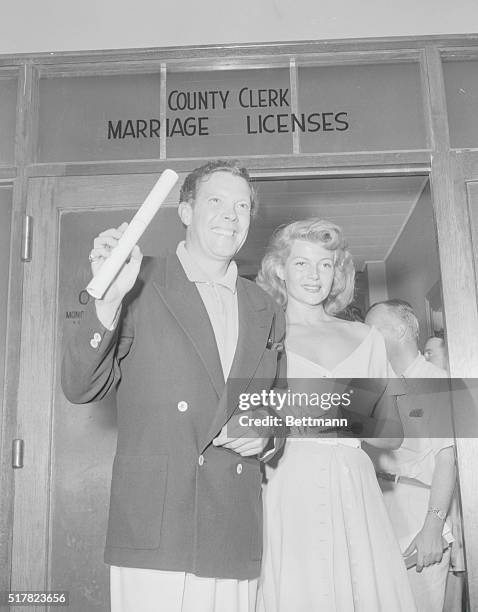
(32, 483)
(7, 360)
(6, 193)
(453, 222)
(339, 205)
(373, 186)
(8, 426)
(459, 292)
(402, 45)
(412, 163)
(461, 320)
(88, 192)
(8, 111)
(461, 83)
(472, 196)
(8, 173)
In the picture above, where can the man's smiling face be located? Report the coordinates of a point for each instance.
(218, 219)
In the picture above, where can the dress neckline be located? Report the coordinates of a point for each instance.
(340, 363)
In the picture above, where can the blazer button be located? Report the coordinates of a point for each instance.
(239, 468)
(94, 343)
(201, 460)
(97, 337)
(182, 406)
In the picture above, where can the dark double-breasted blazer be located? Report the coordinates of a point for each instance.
(177, 501)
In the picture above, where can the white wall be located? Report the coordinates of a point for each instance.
(72, 25)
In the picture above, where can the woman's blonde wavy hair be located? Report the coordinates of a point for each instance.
(317, 231)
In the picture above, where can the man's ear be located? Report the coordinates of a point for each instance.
(185, 212)
(401, 331)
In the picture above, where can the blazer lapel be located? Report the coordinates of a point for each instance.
(185, 304)
(255, 323)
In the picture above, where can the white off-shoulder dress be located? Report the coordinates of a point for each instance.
(328, 541)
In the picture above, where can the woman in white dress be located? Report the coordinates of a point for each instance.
(329, 544)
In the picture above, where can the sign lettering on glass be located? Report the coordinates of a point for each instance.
(199, 102)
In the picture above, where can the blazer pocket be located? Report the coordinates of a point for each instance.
(138, 491)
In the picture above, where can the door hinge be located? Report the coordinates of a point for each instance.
(17, 453)
(27, 238)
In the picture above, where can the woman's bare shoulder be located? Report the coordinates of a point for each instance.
(356, 329)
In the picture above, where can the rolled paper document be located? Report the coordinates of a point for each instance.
(110, 268)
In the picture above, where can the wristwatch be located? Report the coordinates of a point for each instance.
(441, 514)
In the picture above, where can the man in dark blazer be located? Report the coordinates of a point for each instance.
(181, 337)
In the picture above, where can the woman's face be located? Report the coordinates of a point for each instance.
(308, 272)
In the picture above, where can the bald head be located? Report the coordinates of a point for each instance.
(396, 321)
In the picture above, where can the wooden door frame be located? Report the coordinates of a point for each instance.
(14, 175)
(461, 167)
(10, 387)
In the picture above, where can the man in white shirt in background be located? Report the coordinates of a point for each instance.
(435, 352)
(418, 479)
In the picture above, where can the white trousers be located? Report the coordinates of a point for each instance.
(428, 586)
(146, 590)
(407, 506)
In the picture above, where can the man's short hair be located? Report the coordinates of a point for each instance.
(403, 311)
(190, 185)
